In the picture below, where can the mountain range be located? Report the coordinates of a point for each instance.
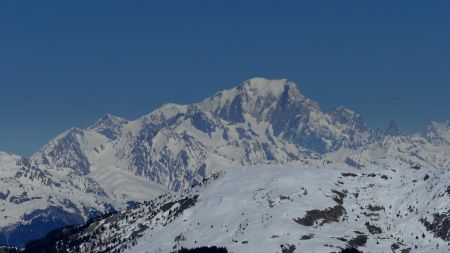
(84, 173)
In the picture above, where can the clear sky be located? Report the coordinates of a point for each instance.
(67, 63)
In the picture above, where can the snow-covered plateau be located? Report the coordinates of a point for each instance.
(84, 173)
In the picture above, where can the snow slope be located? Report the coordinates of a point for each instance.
(271, 208)
(255, 210)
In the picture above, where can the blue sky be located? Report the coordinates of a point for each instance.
(67, 63)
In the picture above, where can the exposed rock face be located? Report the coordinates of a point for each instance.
(328, 215)
(439, 225)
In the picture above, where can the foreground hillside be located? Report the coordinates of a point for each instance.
(283, 209)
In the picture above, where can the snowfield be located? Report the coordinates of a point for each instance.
(279, 208)
(256, 209)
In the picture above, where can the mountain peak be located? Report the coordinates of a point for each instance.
(437, 132)
(439, 124)
(113, 117)
(3, 153)
(261, 88)
(264, 87)
(165, 112)
(109, 126)
(393, 129)
(258, 97)
(109, 119)
(346, 116)
(71, 131)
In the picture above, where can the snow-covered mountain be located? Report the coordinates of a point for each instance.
(176, 146)
(34, 200)
(282, 209)
(260, 121)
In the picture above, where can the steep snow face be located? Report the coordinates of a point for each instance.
(271, 208)
(66, 151)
